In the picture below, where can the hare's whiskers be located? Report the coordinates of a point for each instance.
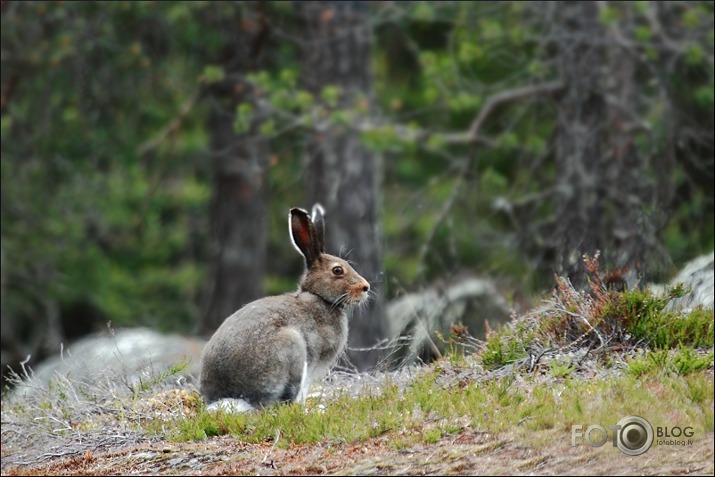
(339, 301)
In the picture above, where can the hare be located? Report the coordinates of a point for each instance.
(270, 350)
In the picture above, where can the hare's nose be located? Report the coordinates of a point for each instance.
(366, 287)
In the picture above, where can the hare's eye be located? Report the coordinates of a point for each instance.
(338, 270)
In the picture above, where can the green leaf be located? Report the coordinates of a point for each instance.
(288, 76)
(643, 33)
(304, 100)
(536, 144)
(469, 52)
(342, 117)
(464, 101)
(691, 18)
(213, 74)
(508, 140)
(70, 114)
(268, 127)
(608, 15)
(381, 138)
(435, 141)
(244, 116)
(704, 96)
(694, 55)
(330, 94)
(423, 11)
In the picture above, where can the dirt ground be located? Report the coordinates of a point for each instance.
(113, 448)
(468, 453)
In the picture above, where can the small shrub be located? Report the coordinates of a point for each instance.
(576, 320)
(642, 315)
(561, 368)
(507, 346)
(682, 361)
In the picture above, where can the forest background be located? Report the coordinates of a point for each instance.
(151, 151)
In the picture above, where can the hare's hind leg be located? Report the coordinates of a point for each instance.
(294, 354)
(304, 384)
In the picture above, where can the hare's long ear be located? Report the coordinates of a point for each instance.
(318, 218)
(303, 233)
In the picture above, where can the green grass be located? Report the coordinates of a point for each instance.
(426, 411)
(682, 361)
(145, 385)
(507, 346)
(561, 368)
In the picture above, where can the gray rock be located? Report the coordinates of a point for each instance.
(131, 356)
(415, 319)
(699, 280)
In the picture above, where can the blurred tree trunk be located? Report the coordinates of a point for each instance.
(239, 185)
(627, 183)
(238, 217)
(581, 115)
(603, 187)
(340, 172)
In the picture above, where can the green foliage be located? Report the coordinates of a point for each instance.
(104, 224)
(243, 119)
(682, 361)
(507, 346)
(644, 316)
(633, 318)
(106, 178)
(380, 138)
(213, 74)
(694, 55)
(331, 94)
(145, 385)
(441, 81)
(561, 368)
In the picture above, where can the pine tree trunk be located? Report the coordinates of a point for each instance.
(340, 172)
(581, 118)
(238, 218)
(239, 183)
(630, 233)
(603, 181)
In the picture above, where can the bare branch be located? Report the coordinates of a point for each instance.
(473, 133)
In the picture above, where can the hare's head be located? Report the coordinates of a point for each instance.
(327, 276)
